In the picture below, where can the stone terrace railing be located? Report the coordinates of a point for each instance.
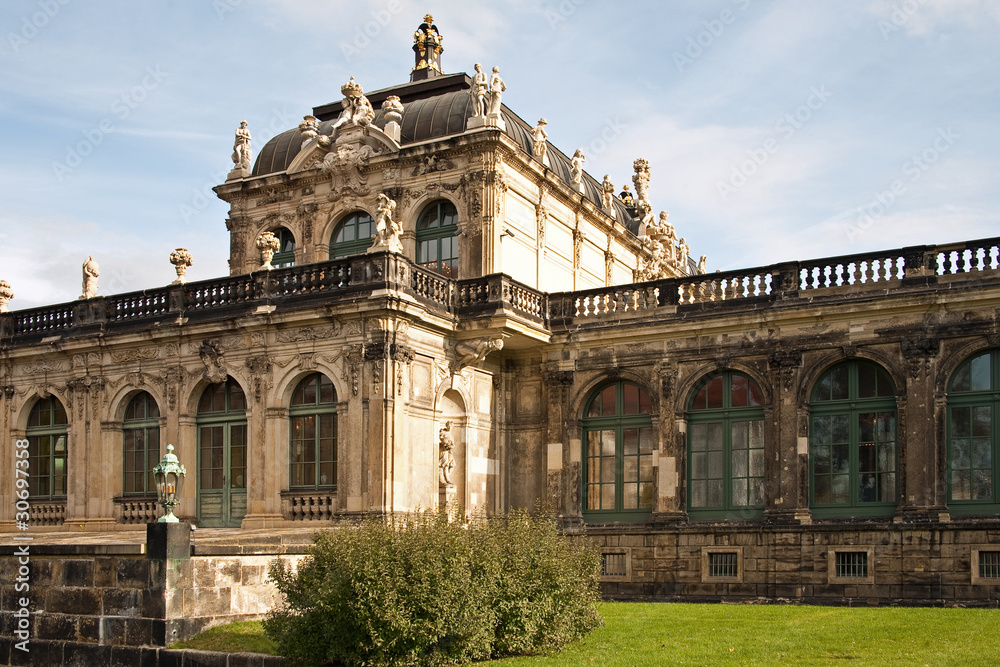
(849, 273)
(353, 277)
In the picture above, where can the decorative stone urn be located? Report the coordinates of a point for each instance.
(268, 244)
(181, 259)
(6, 294)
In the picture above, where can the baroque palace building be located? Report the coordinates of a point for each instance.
(430, 305)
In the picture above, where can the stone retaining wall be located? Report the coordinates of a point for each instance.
(117, 596)
(918, 565)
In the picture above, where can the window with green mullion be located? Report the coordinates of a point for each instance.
(726, 449)
(973, 434)
(618, 454)
(852, 442)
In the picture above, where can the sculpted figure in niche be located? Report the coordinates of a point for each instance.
(538, 137)
(91, 271)
(576, 167)
(497, 86)
(607, 192)
(357, 110)
(241, 148)
(446, 459)
(478, 92)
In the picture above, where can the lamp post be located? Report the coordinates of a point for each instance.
(168, 476)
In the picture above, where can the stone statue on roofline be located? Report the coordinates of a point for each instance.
(607, 193)
(497, 86)
(641, 179)
(242, 153)
(539, 140)
(479, 91)
(576, 169)
(91, 271)
(356, 110)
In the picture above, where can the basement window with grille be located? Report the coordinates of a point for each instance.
(614, 565)
(985, 567)
(851, 566)
(722, 565)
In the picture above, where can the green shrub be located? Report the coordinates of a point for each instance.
(426, 590)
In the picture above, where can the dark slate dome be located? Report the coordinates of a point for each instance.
(432, 109)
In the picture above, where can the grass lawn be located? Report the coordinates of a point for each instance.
(702, 634)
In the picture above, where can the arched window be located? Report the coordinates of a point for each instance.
(726, 448)
(437, 238)
(141, 435)
(353, 236)
(285, 256)
(313, 440)
(852, 441)
(47, 448)
(973, 403)
(618, 444)
(222, 455)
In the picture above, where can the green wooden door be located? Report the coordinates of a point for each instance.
(222, 492)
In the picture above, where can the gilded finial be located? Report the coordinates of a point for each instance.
(428, 18)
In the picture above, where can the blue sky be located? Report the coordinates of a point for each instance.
(775, 130)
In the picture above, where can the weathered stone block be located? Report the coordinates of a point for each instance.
(78, 572)
(80, 601)
(86, 655)
(104, 572)
(121, 602)
(90, 628)
(55, 626)
(138, 632)
(113, 631)
(132, 573)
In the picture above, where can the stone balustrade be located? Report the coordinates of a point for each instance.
(351, 277)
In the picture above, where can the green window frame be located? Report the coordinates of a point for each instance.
(352, 235)
(437, 238)
(223, 460)
(973, 434)
(618, 445)
(140, 445)
(48, 448)
(725, 471)
(312, 446)
(853, 459)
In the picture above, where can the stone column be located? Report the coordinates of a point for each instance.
(669, 459)
(921, 450)
(786, 443)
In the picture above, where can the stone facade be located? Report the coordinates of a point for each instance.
(509, 309)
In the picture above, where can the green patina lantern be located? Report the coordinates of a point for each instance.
(168, 476)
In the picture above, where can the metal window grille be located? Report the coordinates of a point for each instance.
(852, 564)
(989, 564)
(722, 564)
(613, 565)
